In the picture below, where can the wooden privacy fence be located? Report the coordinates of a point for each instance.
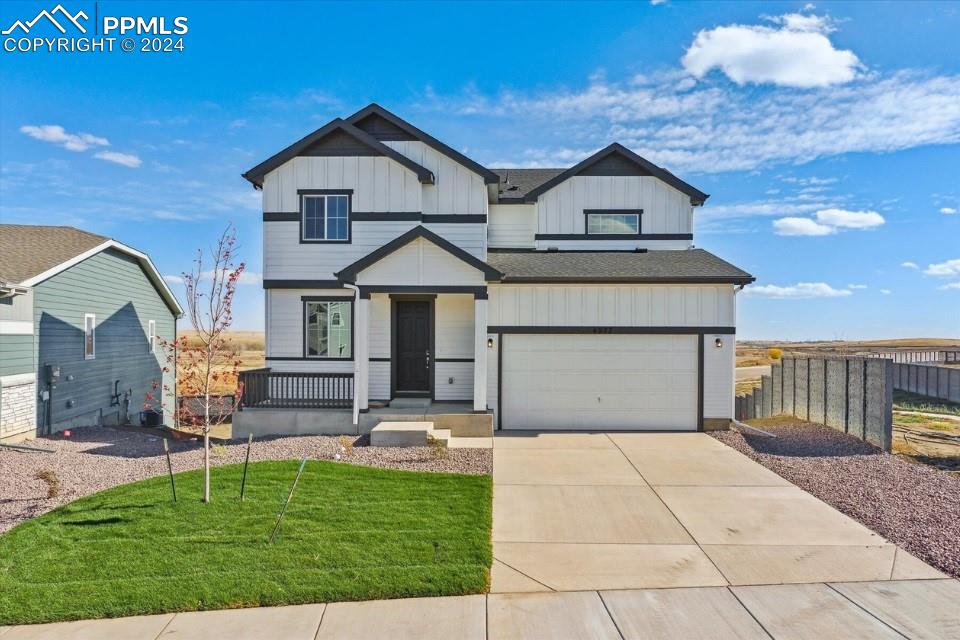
(928, 380)
(850, 394)
(267, 389)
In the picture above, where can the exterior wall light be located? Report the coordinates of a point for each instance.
(489, 343)
(718, 343)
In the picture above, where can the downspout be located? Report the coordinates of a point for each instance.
(356, 360)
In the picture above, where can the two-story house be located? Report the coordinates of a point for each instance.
(396, 267)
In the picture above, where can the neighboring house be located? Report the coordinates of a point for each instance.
(395, 267)
(81, 317)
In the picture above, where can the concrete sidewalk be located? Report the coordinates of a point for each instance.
(598, 511)
(869, 610)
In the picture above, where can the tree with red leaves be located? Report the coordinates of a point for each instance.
(206, 360)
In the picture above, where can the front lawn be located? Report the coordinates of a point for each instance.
(350, 533)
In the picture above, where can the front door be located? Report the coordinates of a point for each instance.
(412, 339)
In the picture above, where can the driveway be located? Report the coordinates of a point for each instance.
(595, 511)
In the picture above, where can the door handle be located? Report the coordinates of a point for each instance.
(428, 358)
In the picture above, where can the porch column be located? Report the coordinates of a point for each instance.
(480, 352)
(361, 385)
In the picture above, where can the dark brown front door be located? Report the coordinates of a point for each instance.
(412, 335)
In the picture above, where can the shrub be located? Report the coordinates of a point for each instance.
(53, 482)
(775, 353)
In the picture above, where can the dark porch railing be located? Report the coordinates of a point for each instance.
(266, 389)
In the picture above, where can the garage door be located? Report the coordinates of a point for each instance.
(586, 381)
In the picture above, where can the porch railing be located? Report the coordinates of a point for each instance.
(266, 389)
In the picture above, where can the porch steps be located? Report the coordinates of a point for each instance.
(420, 434)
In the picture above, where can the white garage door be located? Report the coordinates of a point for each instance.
(586, 381)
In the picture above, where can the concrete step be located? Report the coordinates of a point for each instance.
(409, 403)
(401, 434)
(441, 436)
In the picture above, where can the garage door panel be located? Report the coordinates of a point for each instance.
(586, 381)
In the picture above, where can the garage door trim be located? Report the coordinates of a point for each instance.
(700, 332)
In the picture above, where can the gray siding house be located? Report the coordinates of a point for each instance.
(81, 319)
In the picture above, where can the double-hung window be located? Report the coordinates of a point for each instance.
(328, 331)
(619, 223)
(326, 218)
(89, 336)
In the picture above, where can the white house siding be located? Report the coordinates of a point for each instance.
(285, 328)
(454, 340)
(665, 210)
(512, 226)
(378, 183)
(611, 305)
(421, 262)
(456, 189)
(718, 370)
(285, 258)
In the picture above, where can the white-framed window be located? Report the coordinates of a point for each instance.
(89, 336)
(152, 335)
(613, 223)
(328, 332)
(326, 218)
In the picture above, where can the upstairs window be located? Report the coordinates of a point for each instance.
(328, 329)
(152, 335)
(613, 223)
(89, 336)
(326, 218)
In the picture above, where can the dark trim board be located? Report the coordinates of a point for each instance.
(453, 359)
(303, 284)
(620, 280)
(479, 293)
(614, 330)
(281, 216)
(613, 236)
(443, 218)
(391, 216)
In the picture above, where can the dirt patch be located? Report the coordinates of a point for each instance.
(913, 506)
(97, 458)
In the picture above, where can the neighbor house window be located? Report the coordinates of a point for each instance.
(152, 335)
(328, 330)
(89, 336)
(613, 223)
(326, 217)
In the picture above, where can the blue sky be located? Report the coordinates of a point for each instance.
(828, 135)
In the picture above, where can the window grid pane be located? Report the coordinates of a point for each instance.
(313, 214)
(613, 223)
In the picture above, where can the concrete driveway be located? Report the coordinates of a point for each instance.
(595, 511)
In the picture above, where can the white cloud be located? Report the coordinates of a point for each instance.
(950, 286)
(55, 134)
(125, 159)
(172, 279)
(797, 53)
(850, 219)
(856, 286)
(800, 227)
(801, 290)
(909, 265)
(945, 269)
(246, 278)
(885, 292)
(949, 211)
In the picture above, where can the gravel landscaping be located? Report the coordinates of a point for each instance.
(97, 458)
(914, 506)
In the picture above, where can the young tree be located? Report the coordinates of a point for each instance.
(206, 362)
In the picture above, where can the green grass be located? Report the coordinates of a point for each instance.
(350, 533)
(907, 401)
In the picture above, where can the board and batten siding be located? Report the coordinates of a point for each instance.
(718, 376)
(456, 189)
(421, 262)
(512, 226)
(379, 184)
(665, 210)
(113, 286)
(611, 305)
(285, 258)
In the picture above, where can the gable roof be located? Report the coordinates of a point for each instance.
(388, 126)
(30, 254)
(345, 130)
(617, 154)
(349, 273)
(660, 266)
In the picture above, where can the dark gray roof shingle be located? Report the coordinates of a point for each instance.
(685, 265)
(516, 183)
(28, 250)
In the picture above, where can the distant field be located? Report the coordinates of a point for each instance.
(754, 352)
(247, 347)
